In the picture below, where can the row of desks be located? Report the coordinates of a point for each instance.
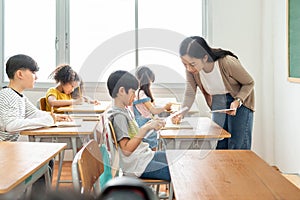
(196, 174)
(22, 163)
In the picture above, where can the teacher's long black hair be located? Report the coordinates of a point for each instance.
(197, 47)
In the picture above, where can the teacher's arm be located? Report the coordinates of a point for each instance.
(189, 92)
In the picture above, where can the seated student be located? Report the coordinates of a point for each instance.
(136, 158)
(17, 113)
(143, 106)
(67, 80)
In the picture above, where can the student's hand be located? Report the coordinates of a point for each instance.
(176, 119)
(167, 107)
(62, 117)
(94, 101)
(78, 101)
(156, 124)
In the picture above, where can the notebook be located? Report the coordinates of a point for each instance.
(183, 125)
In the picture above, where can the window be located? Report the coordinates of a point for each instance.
(31, 31)
(94, 41)
(98, 37)
(173, 20)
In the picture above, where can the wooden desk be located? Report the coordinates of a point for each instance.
(69, 135)
(204, 135)
(226, 174)
(86, 108)
(22, 163)
(83, 132)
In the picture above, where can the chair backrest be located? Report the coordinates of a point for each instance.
(113, 149)
(42, 103)
(88, 162)
(112, 145)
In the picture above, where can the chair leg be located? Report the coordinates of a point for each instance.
(157, 189)
(171, 191)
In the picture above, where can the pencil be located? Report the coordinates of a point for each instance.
(52, 114)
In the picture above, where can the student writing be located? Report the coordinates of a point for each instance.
(136, 158)
(60, 95)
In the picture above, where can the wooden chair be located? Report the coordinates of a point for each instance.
(87, 167)
(42, 103)
(113, 148)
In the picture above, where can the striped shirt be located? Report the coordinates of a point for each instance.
(17, 113)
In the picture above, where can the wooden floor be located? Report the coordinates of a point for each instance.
(66, 174)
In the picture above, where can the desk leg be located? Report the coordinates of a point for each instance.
(31, 138)
(74, 145)
(176, 144)
(60, 159)
(47, 180)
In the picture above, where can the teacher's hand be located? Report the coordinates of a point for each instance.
(234, 105)
(176, 119)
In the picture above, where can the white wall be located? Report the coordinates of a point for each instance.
(286, 97)
(237, 26)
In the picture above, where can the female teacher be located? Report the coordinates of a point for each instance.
(225, 84)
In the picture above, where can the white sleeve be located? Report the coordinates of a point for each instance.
(34, 118)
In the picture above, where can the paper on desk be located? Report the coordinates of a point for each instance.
(66, 124)
(86, 117)
(182, 125)
(222, 110)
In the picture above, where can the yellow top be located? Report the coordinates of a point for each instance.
(59, 96)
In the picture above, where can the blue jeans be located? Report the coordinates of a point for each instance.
(158, 167)
(239, 126)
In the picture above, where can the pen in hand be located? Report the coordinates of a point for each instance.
(52, 114)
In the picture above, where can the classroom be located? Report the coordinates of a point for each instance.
(256, 31)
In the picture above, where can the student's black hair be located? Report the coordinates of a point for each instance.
(119, 79)
(64, 74)
(18, 62)
(145, 76)
(197, 47)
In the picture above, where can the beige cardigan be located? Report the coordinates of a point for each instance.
(236, 79)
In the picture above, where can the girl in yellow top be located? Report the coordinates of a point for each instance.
(67, 80)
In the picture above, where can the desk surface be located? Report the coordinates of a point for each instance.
(86, 108)
(86, 128)
(203, 127)
(19, 160)
(226, 174)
